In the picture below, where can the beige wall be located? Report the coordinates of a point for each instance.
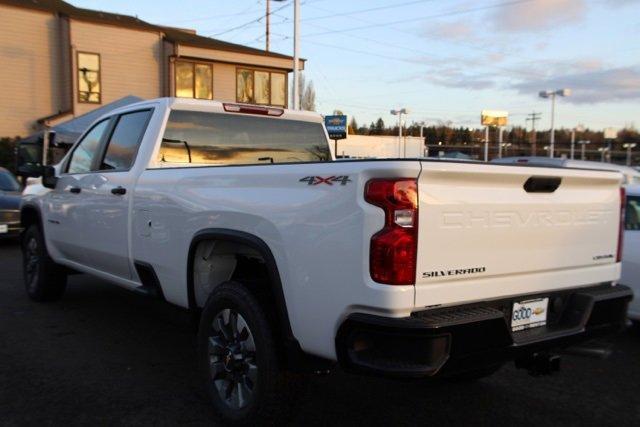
(130, 61)
(30, 69)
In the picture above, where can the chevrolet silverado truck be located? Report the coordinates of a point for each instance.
(293, 261)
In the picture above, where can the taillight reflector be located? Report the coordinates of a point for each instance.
(253, 109)
(623, 203)
(393, 250)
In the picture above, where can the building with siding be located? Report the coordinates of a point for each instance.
(59, 61)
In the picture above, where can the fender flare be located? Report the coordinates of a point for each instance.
(40, 220)
(261, 247)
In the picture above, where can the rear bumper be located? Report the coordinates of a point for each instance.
(458, 339)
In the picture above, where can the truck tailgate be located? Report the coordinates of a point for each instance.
(482, 235)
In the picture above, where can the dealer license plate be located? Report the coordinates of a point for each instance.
(529, 314)
(4, 228)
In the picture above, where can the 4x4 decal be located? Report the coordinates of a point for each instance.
(316, 180)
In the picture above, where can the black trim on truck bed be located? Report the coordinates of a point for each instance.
(458, 339)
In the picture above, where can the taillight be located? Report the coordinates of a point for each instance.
(393, 251)
(252, 109)
(623, 203)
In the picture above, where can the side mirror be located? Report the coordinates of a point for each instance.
(49, 178)
(29, 160)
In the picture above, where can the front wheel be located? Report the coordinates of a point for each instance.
(238, 359)
(44, 280)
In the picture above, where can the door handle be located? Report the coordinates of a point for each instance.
(119, 191)
(75, 190)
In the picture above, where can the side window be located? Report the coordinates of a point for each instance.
(84, 153)
(123, 145)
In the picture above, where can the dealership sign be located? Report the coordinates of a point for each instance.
(336, 126)
(493, 118)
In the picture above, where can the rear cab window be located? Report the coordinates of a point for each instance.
(194, 138)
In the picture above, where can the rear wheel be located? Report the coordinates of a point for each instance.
(44, 280)
(237, 352)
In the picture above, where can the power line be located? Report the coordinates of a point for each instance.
(207, 18)
(259, 19)
(254, 23)
(372, 9)
(422, 18)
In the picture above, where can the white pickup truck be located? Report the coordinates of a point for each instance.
(411, 268)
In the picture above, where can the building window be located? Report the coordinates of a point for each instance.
(89, 88)
(194, 80)
(261, 87)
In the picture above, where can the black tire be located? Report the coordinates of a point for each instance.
(264, 390)
(475, 375)
(44, 280)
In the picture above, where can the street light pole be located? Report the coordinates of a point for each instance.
(552, 136)
(603, 151)
(578, 128)
(629, 147)
(582, 148)
(573, 142)
(486, 143)
(399, 112)
(296, 54)
(426, 147)
(552, 94)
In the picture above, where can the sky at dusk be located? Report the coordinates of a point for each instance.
(444, 60)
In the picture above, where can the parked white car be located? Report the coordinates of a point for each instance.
(411, 267)
(631, 253)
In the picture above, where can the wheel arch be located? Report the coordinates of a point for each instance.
(29, 215)
(257, 244)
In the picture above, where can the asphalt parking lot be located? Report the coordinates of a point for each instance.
(104, 356)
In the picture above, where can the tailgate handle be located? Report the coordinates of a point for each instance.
(542, 184)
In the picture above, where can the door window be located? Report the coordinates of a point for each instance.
(84, 153)
(123, 145)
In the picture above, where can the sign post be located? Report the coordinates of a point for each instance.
(337, 129)
(496, 119)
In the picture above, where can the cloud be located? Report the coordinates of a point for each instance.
(457, 80)
(450, 31)
(538, 15)
(590, 87)
(620, 3)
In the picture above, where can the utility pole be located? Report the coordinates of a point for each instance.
(266, 20)
(296, 54)
(533, 118)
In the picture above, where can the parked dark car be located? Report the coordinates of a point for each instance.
(10, 196)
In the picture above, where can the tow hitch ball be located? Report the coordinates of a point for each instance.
(539, 364)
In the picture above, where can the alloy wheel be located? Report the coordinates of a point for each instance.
(232, 359)
(32, 261)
